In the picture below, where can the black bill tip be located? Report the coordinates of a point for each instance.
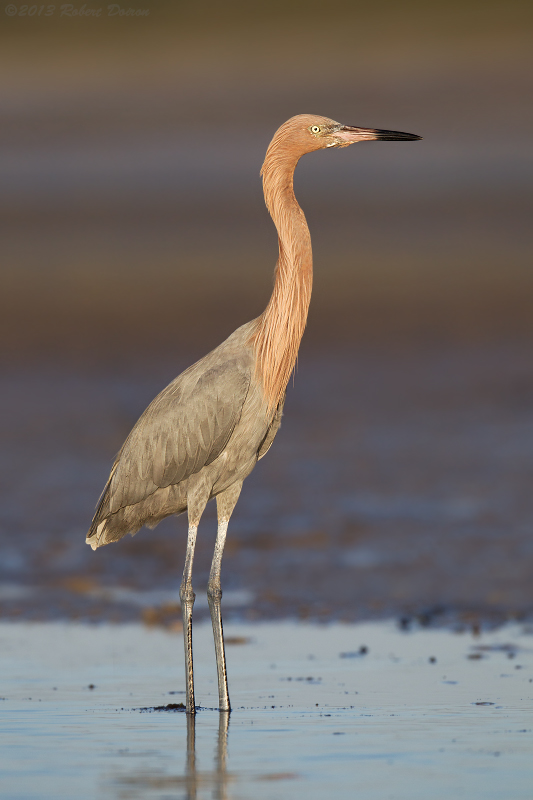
(396, 136)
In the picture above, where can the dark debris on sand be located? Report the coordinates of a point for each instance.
(168, 707)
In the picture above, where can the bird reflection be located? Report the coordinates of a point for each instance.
(191, 776)
(219, 774)
(221, 757)
(194, 781)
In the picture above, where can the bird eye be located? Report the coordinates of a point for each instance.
(315, 129)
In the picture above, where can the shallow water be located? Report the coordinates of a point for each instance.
(319, 711)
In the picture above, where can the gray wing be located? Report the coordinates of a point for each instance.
(266, 444)
(185, 428)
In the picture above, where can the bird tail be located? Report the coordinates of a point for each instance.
(110, 526)
(97, 532)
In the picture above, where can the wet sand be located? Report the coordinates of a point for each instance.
(399, 485)
(338, 710)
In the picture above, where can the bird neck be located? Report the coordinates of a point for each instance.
(281, 325)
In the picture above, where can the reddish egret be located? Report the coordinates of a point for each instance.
(204, 433)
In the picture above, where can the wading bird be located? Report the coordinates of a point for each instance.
(205, 432)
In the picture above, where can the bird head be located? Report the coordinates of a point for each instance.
(308, 132)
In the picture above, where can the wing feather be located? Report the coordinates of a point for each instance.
(185, 428)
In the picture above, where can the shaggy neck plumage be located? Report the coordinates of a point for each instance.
(281, 325)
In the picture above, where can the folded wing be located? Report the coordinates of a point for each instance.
(185, 428)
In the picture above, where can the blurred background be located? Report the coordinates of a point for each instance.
(135, 239)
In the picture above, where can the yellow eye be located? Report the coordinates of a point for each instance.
(315, 129)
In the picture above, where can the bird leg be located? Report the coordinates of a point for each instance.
(226, 502)
(187, 602)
